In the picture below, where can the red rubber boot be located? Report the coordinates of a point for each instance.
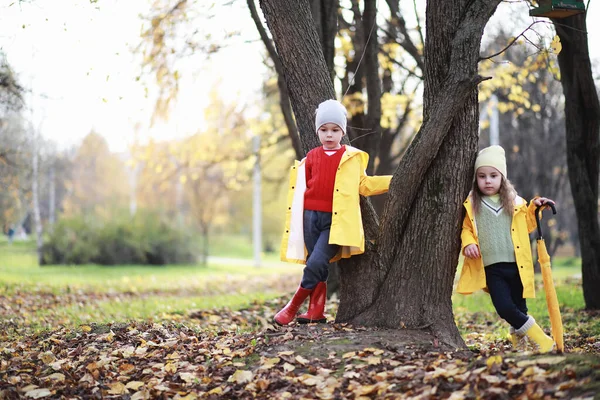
(288, 313)
(316, 306)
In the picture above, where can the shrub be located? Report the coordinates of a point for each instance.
(143, 239)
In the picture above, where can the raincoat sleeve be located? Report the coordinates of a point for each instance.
(531, 224)
(467, 236)
(374, 185)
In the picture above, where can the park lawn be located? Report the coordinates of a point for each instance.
(74, 295)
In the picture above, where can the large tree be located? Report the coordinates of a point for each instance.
(406, 279)
(582, 115)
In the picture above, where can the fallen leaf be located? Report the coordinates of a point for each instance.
(241, 376)
(126, 369)
(301, 360)
(134, 385)
(171, 367)
(373, 360)
(38, 393)
(57, 377)
(269, 363)
(493, 360)
(287, 367)
(117, 388)
(47, 357)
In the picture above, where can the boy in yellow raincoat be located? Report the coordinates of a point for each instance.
(495, 243)
(323, 219)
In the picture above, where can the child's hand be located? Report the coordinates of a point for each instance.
(542, 200)
(472, 251)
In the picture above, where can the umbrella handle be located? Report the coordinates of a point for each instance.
(537, 216)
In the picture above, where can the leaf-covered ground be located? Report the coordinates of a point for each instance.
(240, 354)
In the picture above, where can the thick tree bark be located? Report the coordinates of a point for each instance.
(409, 282)
(304, 66)
(582, 113)
(325, 14)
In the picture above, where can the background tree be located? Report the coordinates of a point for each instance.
(99, 183)
(582, 111)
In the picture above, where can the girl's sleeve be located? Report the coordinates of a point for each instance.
(467, 236)
(373, 185)
(530, 216)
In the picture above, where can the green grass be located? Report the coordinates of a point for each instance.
(157, 308)
(147, 292)
(18, 269)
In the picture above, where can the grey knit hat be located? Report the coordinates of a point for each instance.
(331, 111)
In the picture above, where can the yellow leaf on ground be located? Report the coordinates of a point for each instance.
(301, 360)
(171, 367)
(373, 360)
(349, 354)
(38, 393)
(287, 367)
(269, 363)
(493, 360)
(241, 376)
(57, 377)
(216, 390)
(117, 388)
(134, 385)
(47, 357)
(126, 369)
(86, 328)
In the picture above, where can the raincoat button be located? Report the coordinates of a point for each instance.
(292, 187)
(289, 208)
(337, 190)
(335, 213)
(289, 232)
(517, 247)
(521, 266)
(339, 169)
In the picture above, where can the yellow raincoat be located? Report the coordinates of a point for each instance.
(472, 277)
(346, 220)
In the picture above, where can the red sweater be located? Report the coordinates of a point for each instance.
(320, 178)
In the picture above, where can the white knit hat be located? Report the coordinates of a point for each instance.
(492, 156)
(331, 111)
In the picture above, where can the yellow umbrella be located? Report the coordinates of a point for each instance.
(551, 298)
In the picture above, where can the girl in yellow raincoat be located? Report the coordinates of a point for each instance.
(495, 243)
(323, 219)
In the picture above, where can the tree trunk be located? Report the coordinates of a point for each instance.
(409, 282)
(582, 114)
(325, 14)
(304, 67)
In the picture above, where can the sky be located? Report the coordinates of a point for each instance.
(76, 58)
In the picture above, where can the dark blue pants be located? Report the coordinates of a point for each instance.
(506, 290)
(317, 225)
